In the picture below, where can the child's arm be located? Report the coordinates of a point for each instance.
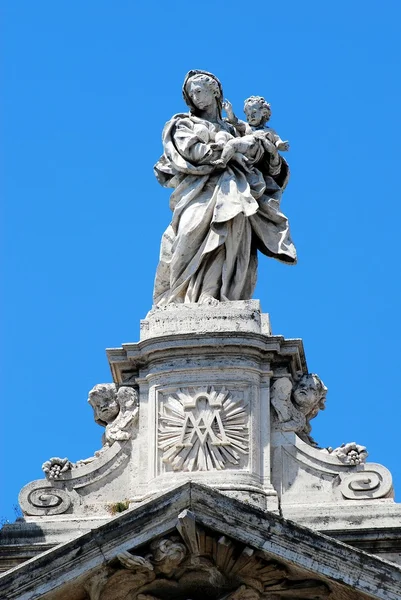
(283, 146)
(278, 142)
(240, 126)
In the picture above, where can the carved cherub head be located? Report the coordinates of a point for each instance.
(103, 399)
(167, 555)
(201, 89)
(309, 395)
(257, 111)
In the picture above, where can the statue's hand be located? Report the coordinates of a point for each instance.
(283, 146)
(135, 563)
(259, 134)
(241, 160)
(228, 107)
(217, 146)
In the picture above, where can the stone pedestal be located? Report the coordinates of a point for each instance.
(209, 395)
(204, 379)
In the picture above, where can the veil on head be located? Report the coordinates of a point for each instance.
(187, 99)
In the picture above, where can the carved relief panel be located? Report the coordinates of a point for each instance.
(203, 428)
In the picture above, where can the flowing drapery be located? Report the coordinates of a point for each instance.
(220, 217)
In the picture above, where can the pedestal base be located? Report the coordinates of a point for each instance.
(216, 406)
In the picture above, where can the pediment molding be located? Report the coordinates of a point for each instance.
(275, 539)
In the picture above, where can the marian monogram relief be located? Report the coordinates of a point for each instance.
(203, 429)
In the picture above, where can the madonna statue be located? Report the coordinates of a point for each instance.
(223, 212)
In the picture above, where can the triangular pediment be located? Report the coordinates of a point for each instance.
(195, 542)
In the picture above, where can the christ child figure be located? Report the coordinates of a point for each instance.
(258, 113)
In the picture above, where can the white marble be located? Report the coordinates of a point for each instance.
(226, 200)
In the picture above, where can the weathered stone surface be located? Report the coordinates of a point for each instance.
(304, 475)
(226, 317)
(237, 547)
(203, 407)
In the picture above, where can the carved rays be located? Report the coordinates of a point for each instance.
(203, 429)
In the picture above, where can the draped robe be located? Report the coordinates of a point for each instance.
(220, 217)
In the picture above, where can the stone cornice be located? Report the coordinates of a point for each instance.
(134, 356)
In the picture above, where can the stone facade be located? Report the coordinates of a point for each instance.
(195, 542)
(210, 396)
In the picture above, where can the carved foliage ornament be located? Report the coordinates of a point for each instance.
(206, 565)
(350, 454)
(203, 429)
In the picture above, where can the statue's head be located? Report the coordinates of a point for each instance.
(309, 394)
(257, 110)
(202, 90)
(103, 399)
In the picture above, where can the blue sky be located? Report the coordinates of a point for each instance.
(88, 87)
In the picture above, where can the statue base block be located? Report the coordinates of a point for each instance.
(244, 315)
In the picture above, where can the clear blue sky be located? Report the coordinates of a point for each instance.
(88, 87)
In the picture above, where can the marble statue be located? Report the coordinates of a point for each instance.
(227, 181)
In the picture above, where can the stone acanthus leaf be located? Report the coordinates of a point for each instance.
(203, 429)
(206, 565)
(123, 409)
